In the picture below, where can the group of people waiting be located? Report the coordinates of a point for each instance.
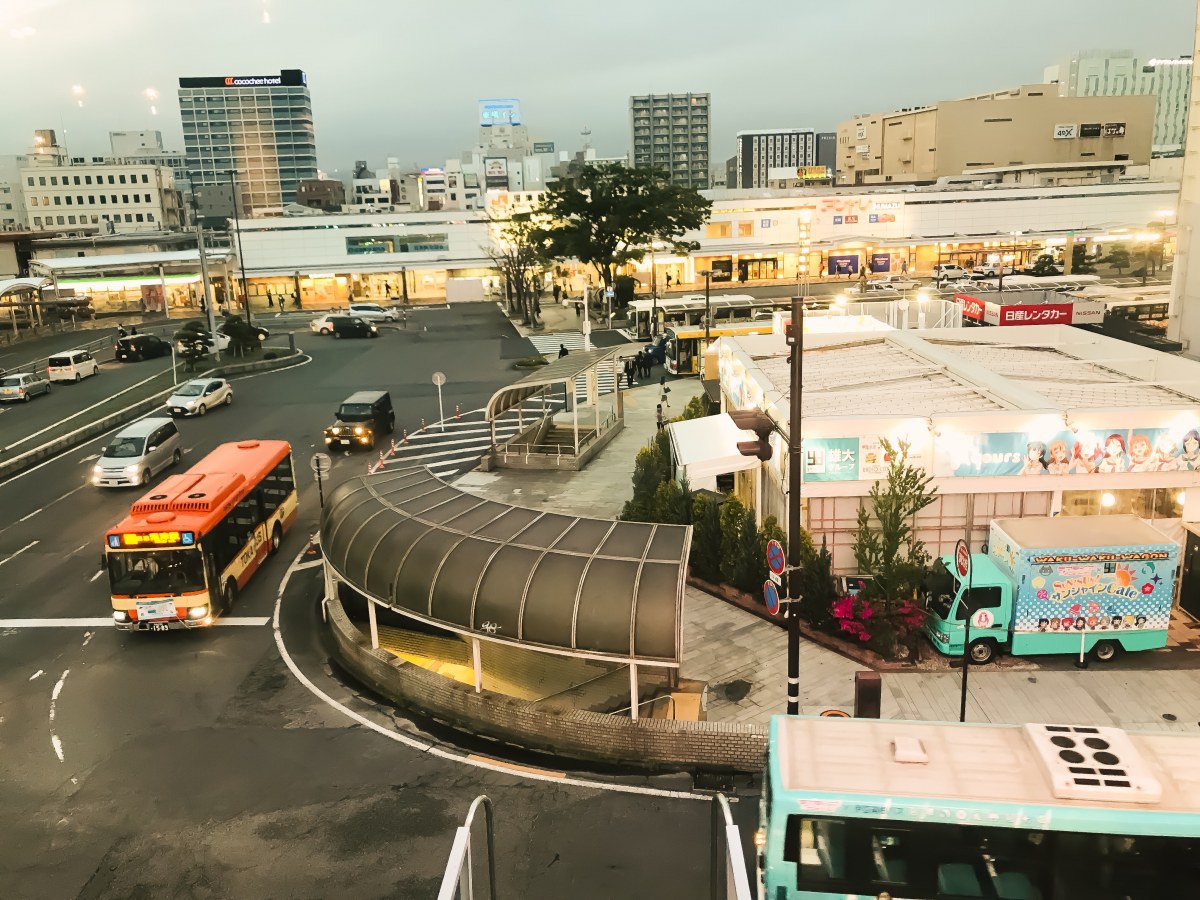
(639, 365)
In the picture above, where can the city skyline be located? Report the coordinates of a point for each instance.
(364, 109)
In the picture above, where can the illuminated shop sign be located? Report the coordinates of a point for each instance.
(153, 539)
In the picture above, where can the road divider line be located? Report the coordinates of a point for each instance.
(104, 621)
(38, 674)
(54, 741)
(31, 515)
(13, 556)
(94, 578)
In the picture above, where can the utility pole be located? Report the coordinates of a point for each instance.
(237, 225)
(208, 298)
(795, 482)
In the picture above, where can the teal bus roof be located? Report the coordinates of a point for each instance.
(988, 775)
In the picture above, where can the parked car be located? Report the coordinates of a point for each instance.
(897, 281)
(657, 350)
(196, 397)
(22, 386)
(949, 272)
(878, 288)
(322, 324)
(141, 346)
(73, 365)
(222, 340)
(261, 333)
(352, 326)
(138, 453)
(360, 419)
(373, 312)
(992, 270)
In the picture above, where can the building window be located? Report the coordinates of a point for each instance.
(69, 199)
(54, 181)
(147, 197)
(122, 179)
(29, 181)
(33, 201)
(138, 217)
(124, 198)
(128, 217)
(718, 230)
(70, 220)
(41, 181)
(45, 200)
(57, 200)
(149, 217)
(114, 198)
(111, 180)
(103, 200)
(37, 220)
(62, 220)
(145, 179)
(76, 179)
(745, 229)
(87, 179)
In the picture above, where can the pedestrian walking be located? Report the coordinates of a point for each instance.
(387, 289)
(557, 292)
(659, 417)
(629, 371)
(270, 299)
(296, 299)
(639, 363)
(662, 397)
(668, 279)
(904, 267)
(562, 350)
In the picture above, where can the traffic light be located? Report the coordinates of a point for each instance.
(761, 424)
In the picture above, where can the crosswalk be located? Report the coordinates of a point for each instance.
(548, 344)
(454, 446)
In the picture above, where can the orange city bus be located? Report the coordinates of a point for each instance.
(193, 541)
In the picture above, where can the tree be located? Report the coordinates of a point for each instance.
(192, 343)
(647, 476)
(1081, 263)
(698, 407)
(733, 513)
(1118, 258)
(242, 336)
(518, 249)
(608, 215)
(706, 539)
(886, 546)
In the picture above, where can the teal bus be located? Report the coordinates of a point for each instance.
(867, 808)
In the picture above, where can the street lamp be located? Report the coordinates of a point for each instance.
(237, 225)
(707, 273)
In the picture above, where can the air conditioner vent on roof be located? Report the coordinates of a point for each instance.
(1092, 763)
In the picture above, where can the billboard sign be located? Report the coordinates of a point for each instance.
(813, 173)
(1065, 132)
(973, 307)
(843, 265)
(1113, 129)
(543, 147)
(1089, 130)
(499, 112)
(495, 172)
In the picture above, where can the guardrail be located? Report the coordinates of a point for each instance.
(558, 451)
(728, 878)
(458, 882)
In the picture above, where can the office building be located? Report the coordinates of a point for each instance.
(1118, 73)
(116, 198)
(1029, 126)
(260, 126)
(324, 194)
(669, 132)
(761, 150)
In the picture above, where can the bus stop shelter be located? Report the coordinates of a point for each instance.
(544, 582)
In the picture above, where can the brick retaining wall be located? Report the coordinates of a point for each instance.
(577, 734)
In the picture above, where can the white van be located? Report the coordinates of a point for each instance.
(138, 453)
(72, 365)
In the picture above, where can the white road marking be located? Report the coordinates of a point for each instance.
(37, 674)
(31, 515)
(77, 549)
(92, 580)
(13, 556)
(90, 457)
(433, 750)
(87, 638)
(55, 742)
(106, 621)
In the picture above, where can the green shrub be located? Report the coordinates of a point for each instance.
(698, 407)
(647, 475)
(706, 539)
(733, 513)
(532, 362)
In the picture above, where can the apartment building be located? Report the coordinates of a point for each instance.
(670, 132)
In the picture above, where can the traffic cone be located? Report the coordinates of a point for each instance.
(381, 459)
(422, 423)
(457, 414)
(405, 439)
(393, 452)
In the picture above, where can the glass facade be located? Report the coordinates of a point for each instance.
(264, 132)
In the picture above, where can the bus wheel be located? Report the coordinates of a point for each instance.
(1105, 651)
(983, 651)
(228, 596)
(276, 538)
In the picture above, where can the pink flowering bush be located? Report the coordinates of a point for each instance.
(854, 616)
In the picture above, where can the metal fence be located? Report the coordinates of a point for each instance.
(458, 882)
(728, 877)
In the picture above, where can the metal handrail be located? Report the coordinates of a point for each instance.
(460, 856)
(728, 879)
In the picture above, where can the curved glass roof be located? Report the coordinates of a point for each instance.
(560, 583)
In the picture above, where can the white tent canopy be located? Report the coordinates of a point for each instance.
(707, 447)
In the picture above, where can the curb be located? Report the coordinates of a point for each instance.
(81, 435)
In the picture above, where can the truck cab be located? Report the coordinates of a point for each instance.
(987, 601)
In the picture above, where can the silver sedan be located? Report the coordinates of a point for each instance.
(195, 398)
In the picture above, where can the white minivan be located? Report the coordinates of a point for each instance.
(138, 453)
(72, 365)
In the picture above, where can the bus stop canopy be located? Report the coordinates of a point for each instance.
(707, 447)
(556, 583)
(560, 371)
(12, 285)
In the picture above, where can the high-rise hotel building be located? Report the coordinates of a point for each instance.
(670, 133)
(260, 126)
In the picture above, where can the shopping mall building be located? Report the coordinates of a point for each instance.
(752, 236)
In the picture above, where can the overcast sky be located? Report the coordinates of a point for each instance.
(402, 78)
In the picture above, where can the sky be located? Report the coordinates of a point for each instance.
(402, 78)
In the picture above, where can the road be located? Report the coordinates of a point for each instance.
(199, 764)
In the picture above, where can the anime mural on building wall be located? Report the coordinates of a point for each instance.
(1104, 451)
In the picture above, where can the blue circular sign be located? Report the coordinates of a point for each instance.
(771, 595)
(775, 559)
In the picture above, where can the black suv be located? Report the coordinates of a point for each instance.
(141, 346)
(360, 419)
(352, 326)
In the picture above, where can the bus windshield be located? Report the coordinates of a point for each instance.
(156, 572)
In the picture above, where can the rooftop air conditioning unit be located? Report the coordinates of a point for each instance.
(1093, 763)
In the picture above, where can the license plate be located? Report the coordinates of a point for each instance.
(155, 609)
(159, 626)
